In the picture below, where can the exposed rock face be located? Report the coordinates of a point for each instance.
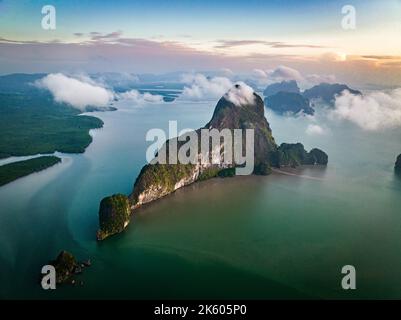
(114, 215)
(284, 86)
(397, 166)
(239, 108)
(233, 111)
(326, 92)
(248, 115)
(288, 103)
(294, 155)
(65, 265)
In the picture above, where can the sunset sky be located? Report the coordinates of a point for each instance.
(165, 36)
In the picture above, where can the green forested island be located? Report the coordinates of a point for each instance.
(12, 171)
(32, 123)
(157, 180)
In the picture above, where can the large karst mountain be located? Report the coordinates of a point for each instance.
(239, 108)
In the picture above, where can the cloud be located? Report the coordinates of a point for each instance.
(79, 93)
(314, 129)
(282, 73)
(314, 79)
(227, 44)
(226, 72)
(240, 94)
(108, 36)
(285, 73)
(140, 98)
(377, 110)
(201, 87)
(333, 57)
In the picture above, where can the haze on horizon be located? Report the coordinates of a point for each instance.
(167, 36)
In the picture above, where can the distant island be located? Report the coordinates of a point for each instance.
(289, 103)
(327, 92)
(283, 86)
(285, 97)
(158, 180)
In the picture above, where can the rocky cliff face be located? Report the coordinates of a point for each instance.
(239, 108)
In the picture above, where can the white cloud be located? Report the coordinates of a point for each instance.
(226, 72)
(201, 87)
(284, 73)
(333, 56)
(314, 79)
(79, 93)
(141, 98)
(314, 129)
(373, 111)
(240, 94)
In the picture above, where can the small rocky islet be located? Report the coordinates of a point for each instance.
(285, 98)
(239, 108)
(67, 267)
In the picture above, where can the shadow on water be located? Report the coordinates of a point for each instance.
(396, 181)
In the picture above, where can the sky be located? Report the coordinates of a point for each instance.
(180, 35)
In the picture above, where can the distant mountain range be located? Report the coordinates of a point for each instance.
(286, 98)
(288, 102)
(284, 86)
(327, 92)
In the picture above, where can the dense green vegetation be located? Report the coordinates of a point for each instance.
(65, 266)
(114, 215)
(32, 123)
(213, 172)
(12, 171)
(208, 173)
(294, 154)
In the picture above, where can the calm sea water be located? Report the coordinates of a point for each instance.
(278, 236)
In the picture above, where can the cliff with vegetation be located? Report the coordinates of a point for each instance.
(233, 111)
(294, 155)
(114, 215)
(239, 108)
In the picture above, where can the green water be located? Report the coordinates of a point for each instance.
(278, 236)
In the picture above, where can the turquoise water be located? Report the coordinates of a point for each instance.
(278, 236)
